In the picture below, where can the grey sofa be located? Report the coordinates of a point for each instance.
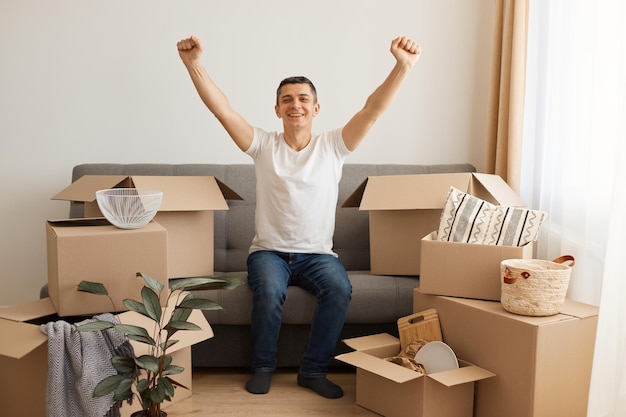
(377, 301)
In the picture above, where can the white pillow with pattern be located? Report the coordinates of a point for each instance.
(469, 219)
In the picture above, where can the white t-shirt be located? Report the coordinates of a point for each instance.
(296, 192)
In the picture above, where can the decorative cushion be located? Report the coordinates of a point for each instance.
(468, 219)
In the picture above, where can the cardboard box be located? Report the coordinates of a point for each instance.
(186, 212)
(392, 390)
(405, 208)
(102, 253)
(542, 364)
(465, 269)
(24, 356)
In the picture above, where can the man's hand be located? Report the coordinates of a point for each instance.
(405, 50)
(189, 49)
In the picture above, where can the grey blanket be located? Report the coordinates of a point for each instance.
(77, 362)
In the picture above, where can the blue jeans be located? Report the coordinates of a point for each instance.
(269, 274)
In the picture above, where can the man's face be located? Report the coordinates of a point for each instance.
(296, 105)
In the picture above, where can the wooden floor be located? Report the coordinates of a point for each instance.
(222, 393)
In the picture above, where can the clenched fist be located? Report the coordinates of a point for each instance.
(189, 49)
(405, 50)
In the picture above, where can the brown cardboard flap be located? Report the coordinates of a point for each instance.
(29, 310)
(495, 190)
(354, 200)
(84, 189)
(380, 367)
(183, 193)
(19, 338)
(409, 192)
(180, 193)
(381, 345)
(464, 374)
(227, 192)
(373, 341)
(428, 191)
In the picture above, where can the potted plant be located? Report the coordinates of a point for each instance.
(147, 377)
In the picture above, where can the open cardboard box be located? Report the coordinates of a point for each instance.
(405, 208)
(466, 270)
(186, 211)
(392, 390)
(24, 356)
(87, 249)
(543, 364)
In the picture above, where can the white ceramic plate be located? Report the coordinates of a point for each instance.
(436, 357)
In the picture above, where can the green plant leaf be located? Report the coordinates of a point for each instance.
(158, 395)
(124, 390)
(156, 285)
(168, 344)
(167, 360)
(136, 306)
(109, 384)
(186, 284)
(142, 339)
(136, 333)
(146, 402)
(168, 388)
(142, 386)
(205, 283)
(173, 370)
(148, 362)
(180, 314)
(181, 325)
(199, 303)
(92, 287)
(131, 329)
(94, 326)
(152, 304)
(123, 364)
(174, 326)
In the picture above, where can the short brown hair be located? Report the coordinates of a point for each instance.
(296, 80)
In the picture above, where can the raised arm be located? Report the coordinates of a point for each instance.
(190, 51)
(406, 52)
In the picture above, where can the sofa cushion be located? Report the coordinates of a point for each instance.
(376, 299)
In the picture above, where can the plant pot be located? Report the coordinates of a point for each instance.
(146, 413)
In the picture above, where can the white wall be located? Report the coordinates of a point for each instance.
(101, 81)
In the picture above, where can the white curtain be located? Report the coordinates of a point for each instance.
(573, 166)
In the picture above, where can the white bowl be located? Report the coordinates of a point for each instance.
(129, 208)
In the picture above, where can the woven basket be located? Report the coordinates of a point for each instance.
(535, 287)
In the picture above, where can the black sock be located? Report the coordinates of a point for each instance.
(321, 386)
(259, 383)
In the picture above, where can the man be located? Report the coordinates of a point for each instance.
(298, 173)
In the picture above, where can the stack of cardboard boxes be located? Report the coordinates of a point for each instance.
(178, 243)
(517, 366)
